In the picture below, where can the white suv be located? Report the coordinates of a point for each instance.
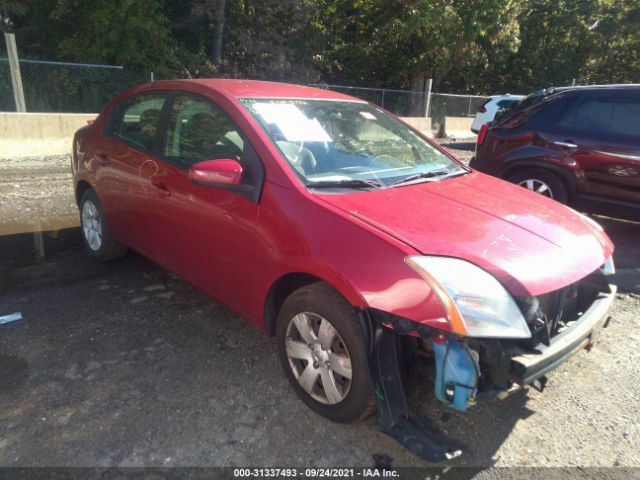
(487, 111)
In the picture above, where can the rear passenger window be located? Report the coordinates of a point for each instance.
(626, 116)
(609, 114)
(555, 113)
(136, 120)
(594, 114)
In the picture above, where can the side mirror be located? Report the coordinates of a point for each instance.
(225, 174)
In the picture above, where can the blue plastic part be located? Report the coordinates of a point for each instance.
(457, 371)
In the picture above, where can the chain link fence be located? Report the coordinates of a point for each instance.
(452, 105)
(404, 103)
(65, 87)
(408, 103)
(86, 88)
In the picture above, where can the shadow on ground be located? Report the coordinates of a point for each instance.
(469, 146)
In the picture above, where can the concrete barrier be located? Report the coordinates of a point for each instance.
(456, 127)
(423, 124)
(39, 134)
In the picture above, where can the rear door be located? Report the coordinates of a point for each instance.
(127, 159)
(607, 145)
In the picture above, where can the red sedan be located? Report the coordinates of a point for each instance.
(348, 235)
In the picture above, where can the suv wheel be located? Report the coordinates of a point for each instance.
(543, 182)
(321, 348)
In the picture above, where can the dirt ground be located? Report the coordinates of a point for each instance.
(123, 364)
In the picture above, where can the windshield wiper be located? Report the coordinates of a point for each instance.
(346, 183)
(439, 174)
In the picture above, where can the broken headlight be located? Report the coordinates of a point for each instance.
(477, 305)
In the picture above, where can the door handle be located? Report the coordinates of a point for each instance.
(163, 191)
(566, 143)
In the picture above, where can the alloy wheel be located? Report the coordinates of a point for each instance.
(538, 186)
(92, 225)
(318, 358)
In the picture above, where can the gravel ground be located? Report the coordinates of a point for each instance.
(125, 365)
(37, 193)
(462, 148)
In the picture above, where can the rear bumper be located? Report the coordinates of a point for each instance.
(530, 366)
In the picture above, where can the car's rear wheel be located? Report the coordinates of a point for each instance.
(547, 184)
(321, 349)
(95, 231)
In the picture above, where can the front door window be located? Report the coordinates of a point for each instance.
(199, 130)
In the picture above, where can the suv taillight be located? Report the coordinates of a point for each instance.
(483, 133)
(483, 108)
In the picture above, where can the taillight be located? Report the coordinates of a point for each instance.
(483, 133)
(481, 109)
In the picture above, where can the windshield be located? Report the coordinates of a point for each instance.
(346, 144)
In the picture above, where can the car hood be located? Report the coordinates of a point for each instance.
(532, 244)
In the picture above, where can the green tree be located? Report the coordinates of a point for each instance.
(404, 42)
(466, 46)
(615, 55)
(125, 32)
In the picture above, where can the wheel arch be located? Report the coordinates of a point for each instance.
(564, 176)
(81, 187)
(284, 286)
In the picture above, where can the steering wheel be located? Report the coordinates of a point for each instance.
(363, 152)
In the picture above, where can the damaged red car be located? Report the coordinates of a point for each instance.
(349, 236)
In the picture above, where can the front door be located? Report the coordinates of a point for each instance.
(205, 234)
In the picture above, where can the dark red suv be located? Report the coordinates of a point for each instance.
(577, 145)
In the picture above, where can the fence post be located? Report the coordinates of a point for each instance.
(427, 106)
(14, 67)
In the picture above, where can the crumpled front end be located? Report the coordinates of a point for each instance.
(561, 323)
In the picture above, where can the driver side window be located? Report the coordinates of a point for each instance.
(200, 130)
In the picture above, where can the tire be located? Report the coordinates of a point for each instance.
(352, 399)
(536, 179)
(95, 231)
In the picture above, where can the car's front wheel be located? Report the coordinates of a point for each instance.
(95, 231)
(543, 182)
(321, 348)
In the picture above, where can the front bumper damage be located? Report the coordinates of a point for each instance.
(528, 367)
(504, 366)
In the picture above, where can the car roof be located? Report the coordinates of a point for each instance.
(536, 97)
(262, 89)
(506, 96)
(619, 87)
(613, 86)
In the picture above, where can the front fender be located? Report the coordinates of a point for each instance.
(363, 263)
